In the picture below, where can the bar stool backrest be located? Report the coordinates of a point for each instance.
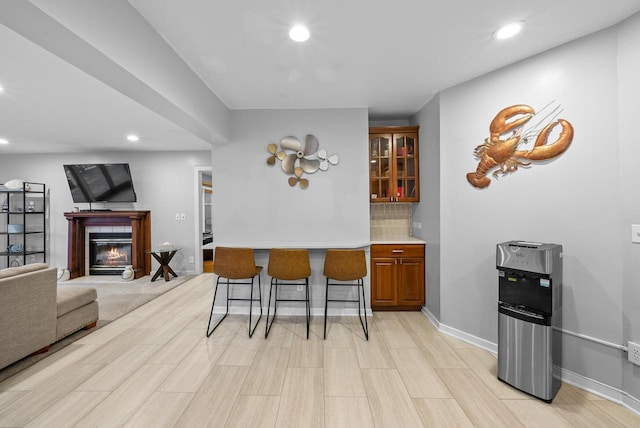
(345, 265)
(234, 263)
(289, 264)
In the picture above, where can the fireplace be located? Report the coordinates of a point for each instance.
(109, 253)
(138, 221)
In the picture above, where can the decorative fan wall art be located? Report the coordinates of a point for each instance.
(297, 160)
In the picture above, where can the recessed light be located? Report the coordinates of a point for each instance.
(299, 33)
(3, 141)
(509, 30)
(132, 137)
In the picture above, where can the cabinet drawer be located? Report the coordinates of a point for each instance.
(400, 250)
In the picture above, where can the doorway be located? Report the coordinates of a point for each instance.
(203, 224)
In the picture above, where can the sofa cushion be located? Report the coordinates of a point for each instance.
(75, 320)
(70, 298)
(18, 270)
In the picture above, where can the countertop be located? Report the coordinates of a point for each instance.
(266, 245)
(399, 240)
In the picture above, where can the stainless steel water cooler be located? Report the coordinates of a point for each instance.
(529, 307)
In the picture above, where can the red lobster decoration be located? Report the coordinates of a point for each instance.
(505, 154)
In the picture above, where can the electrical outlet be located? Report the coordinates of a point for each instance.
(190, 259)
(300, 287)
(634, 353)
(177, 216)
(183, 217)
(417, 225)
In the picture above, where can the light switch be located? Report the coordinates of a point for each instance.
(635, 233)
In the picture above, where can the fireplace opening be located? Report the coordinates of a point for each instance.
(109, 253)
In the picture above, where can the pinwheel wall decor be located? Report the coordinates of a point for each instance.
(297, 160)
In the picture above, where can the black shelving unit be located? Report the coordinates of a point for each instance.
(23, 225)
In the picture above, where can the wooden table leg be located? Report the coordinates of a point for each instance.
(164, 257)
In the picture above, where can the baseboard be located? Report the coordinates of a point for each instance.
(427, 313)
(593, 386)
(601, 390)
(459, 334)
(631, 403)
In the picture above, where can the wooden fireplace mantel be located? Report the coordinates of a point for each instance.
(140, 222)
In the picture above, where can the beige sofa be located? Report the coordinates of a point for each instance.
(34, 313)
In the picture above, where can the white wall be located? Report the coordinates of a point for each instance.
(574, 200)
(253, 201)
(163, 182)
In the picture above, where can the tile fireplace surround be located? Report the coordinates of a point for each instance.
(140, 223)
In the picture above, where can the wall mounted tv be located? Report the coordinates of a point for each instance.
(104, 182)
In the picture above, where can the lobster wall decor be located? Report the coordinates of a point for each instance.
(508, 132)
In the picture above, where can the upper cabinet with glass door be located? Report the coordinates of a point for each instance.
(393, 164)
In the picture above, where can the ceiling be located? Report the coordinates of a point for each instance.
(79, 76)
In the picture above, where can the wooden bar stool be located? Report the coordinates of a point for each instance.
(346, 266)
(234, 264)
(288, 267)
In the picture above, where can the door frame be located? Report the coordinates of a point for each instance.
(198, 171)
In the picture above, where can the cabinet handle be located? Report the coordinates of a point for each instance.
(397, 251)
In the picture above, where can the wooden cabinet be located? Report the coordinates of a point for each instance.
(397, 277)
(23, 225)
(393, 164)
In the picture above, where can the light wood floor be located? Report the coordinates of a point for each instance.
(155, 368)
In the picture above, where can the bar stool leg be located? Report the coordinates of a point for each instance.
(251, 307)
(365, 326)
(260, 295)
(308, 305)
(275, 308)
(215, 293)
(326, 305)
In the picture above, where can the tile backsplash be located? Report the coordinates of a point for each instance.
(390, 221)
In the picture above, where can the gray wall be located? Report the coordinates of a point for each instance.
(253, 201)
(164, 184)
(428, 211)
(255, 206)
(629, 178)
(584, 199)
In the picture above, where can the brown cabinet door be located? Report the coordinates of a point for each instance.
(411, 282)
(380, 168)
(406, 167)
(394, 164)
(384, 291)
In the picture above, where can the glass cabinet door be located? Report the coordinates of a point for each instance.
(406, 167)
(393, 164)
(380, 168)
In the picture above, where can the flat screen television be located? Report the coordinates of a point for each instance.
(104, 182)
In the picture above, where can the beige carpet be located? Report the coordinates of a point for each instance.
(115, 299)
